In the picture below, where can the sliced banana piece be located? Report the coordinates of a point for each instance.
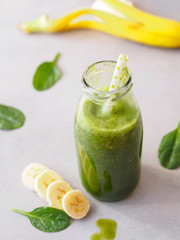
(56, 191)
(43, 180)
(30, 173)
(75, 204)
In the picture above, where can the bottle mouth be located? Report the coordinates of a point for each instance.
(96, 80)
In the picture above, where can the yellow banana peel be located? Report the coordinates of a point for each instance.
(151, 22)
(116, 17)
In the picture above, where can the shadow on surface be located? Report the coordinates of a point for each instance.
(155, 201)
(156, 185)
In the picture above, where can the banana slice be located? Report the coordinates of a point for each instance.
(56, 191)
(30, 173)
(75, 204)
(43, 180)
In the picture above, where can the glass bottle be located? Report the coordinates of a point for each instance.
(108, 134)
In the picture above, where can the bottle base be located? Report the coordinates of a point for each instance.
(113, 198)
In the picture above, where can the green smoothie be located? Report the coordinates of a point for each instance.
(109, 147)
(107, 230)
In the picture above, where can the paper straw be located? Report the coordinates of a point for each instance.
(117, 79)
(117, 82)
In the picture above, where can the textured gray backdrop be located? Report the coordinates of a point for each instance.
(153, 210)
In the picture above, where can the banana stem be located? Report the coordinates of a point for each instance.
(44, 24)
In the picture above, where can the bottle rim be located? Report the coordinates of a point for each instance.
(98, 94)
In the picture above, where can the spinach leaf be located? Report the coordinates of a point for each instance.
(46, 75)
(47, 219)
(169, 149)
(10, 118)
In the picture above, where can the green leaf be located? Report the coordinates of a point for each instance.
(47, 219)
(169, 149)
(46, 75)
(10, 118)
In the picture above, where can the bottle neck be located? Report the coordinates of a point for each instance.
(97, 78)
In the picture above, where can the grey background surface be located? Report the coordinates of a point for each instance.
(153, 210)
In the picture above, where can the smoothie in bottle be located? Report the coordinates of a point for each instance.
(108, 133)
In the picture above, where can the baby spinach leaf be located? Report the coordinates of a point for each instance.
(169, 149)
(46, 75)
(10, 118)
(47, 219)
